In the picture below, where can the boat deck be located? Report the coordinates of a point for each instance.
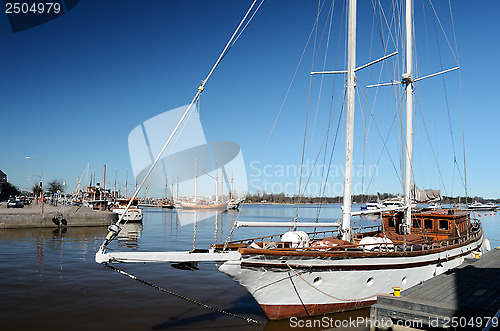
(468, 291)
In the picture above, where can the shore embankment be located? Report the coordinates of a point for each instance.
(31, 216)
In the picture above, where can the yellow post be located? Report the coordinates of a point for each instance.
(477, 254)
(397, 291)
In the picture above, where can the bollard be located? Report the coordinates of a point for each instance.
(397, 291)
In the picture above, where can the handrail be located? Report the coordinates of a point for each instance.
(425, 245)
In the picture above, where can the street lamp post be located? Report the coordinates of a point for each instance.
(41, 178)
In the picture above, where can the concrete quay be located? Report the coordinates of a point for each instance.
(53, 217)
(466, 297)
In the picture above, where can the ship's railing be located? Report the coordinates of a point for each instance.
(312, 235)
(414, 246)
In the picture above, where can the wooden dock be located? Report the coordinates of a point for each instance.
(469, 293)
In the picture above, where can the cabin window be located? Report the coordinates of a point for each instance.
(428, 224)
(416, 223)
(444, 225)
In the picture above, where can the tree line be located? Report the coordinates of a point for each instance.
(359, 198)
(9, 190)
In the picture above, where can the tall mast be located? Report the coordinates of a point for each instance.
(172, 189)
(407, 80)
(196, 183)
(232, 183)
(217, 185)
(103, 191)
(351, 84)
(126, 184)
(166, 188)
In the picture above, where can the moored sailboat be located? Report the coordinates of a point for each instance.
(204, 204)
(304, 274)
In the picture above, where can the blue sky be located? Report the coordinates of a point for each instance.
(73, 88)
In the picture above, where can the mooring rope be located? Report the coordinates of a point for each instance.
(248, 319)
(298, 295)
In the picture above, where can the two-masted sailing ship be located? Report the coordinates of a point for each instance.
(340, 267)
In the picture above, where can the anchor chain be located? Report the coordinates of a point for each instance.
(248, 319)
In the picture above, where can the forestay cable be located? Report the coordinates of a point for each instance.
(114, 228)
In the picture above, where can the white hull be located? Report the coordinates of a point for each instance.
(286, 286)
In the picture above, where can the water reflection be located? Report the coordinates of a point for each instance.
(129, 235)
(50, 274)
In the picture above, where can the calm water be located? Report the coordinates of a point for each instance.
(51, 282)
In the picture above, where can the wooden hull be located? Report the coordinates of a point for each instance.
(311, 283)
(218, 206)
(276, 312)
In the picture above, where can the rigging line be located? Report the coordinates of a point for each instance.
(431, 146)
(377, 89)
(325, 141)
(382, 151)
(234, 41)
(463, 134)
(333, 149)
(365, 134)
(446, 96)
(366, 145)
(248, 319)
(387, 23)
(379, 29)
(170, 151)
(307, 115)
(248, 22)
(461, 101)
(113, 233)
(287, 92)
(342, 98)
(384, 45)
(431, 90)
(459, 172)
(454, 35)
(298, 296)
(380, 134)
(444, 33)
(323, 183)
(328, 295)
(329, 23)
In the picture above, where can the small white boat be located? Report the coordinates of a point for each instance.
(234, 203)
(482, 206)
(133, 214)
(372, 205)
(395, 202)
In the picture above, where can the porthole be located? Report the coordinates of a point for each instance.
(317, 281)
(369, 282)
(403, 281)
